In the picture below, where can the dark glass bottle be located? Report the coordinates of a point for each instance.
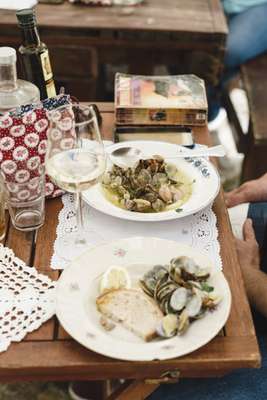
(34, 55)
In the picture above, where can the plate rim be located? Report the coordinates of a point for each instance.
(147, 358)
(142, 217)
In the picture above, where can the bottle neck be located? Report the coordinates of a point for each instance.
(30, 36)
(8, 78)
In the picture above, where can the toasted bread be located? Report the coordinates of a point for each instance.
(133, 309)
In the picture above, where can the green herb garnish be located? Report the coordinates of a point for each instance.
(178, 210)
(206, 288)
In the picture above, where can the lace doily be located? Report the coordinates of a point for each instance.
(198, 230)
(27, 298)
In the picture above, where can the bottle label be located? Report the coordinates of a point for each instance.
(47, 70)
(48, 74)
(50, 88)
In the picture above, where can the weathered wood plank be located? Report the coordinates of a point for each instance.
(193, 16)
(189, 35)
(21, 243)
(62, 334)
(46, 235)
(64, 359)
(44, 333)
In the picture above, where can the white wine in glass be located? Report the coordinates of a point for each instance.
(75, 170)
(75, 161)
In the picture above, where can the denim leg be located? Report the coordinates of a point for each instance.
(246, 384)
(247, 36)
(258, 213)
(247, 39)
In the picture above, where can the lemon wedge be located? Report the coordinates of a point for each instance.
(115, 277)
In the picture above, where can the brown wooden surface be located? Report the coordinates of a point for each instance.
(137, 390)
(254, 142)
(254, 75)
(187, 34)
(187, 15)
(49, 353)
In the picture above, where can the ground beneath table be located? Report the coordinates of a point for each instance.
(34, 391)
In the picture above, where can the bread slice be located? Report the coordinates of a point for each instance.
(133, 309)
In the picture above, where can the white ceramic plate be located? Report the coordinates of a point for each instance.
(205, 187)
(77, 290)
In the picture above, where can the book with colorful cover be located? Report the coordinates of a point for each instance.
(160, 100)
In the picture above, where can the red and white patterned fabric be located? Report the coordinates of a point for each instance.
(23, 143)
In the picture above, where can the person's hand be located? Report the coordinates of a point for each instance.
(248, 249)
(251, 191)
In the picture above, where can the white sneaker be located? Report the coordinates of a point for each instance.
(215, 124)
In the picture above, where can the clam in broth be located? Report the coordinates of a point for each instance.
(153, 185)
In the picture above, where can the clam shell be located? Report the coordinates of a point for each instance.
(183, 322)
(202, 273)
(158, 205)
(148, 285)
(168, 326)
(171, 170)
(165, 194)
(159, 271)
(164, 290)
(177, 193)
(175, 274)
(159, 178)
(142, 205)
(179, 299)
(129, 204)
(144, 177)
(193, 307)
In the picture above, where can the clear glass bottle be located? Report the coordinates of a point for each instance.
(14, 92)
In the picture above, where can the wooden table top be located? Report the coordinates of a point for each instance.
(188, 35)
(183, 16)
(49, 353)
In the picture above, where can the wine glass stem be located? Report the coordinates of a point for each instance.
(80, 239)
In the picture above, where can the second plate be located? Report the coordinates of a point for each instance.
(205, 187)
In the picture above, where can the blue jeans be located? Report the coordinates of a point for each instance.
(247, 39)
(239, 385)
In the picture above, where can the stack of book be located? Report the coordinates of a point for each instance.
(158, 107)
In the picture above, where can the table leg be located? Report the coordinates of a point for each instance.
(133, 390)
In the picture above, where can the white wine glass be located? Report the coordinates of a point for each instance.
(75, 161)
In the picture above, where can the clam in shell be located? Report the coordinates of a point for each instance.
(175, 274)
(163, 289)
(165, 194)
(168, 326)
(183, 322)
(179, 299)
(158, 205)
(142, 205)
(193, 307)
(144, 177)
(159, 271)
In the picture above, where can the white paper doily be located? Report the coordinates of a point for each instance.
(198, 230)
(27, 298)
